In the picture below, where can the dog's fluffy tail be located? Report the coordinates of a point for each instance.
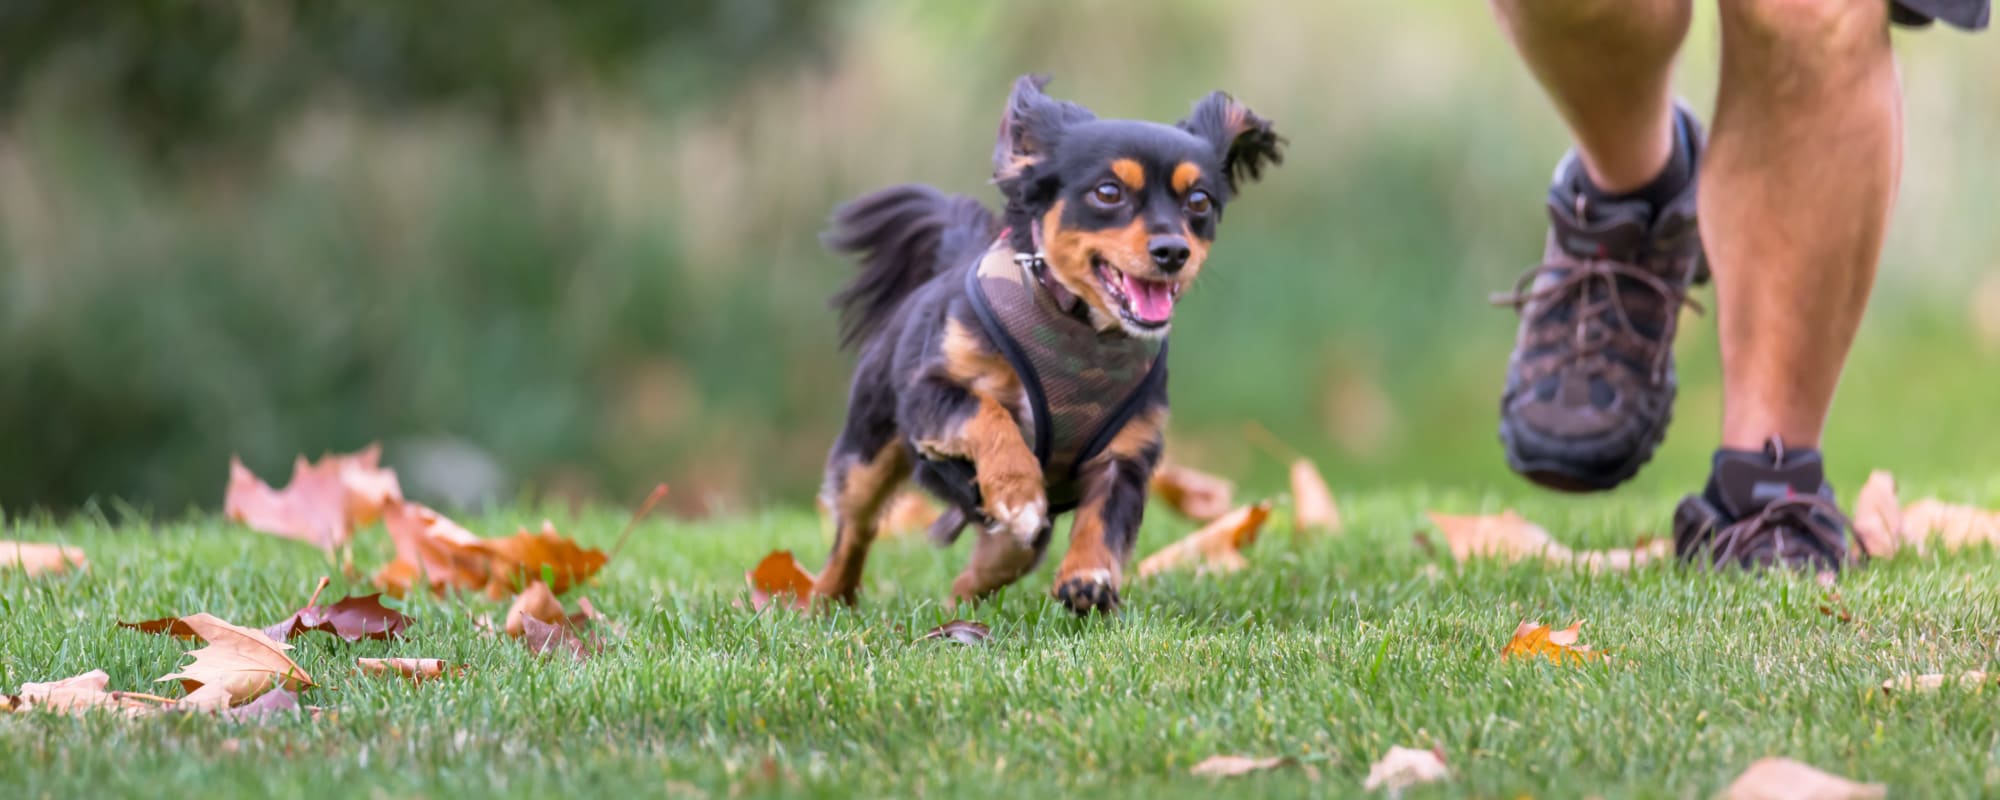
(903, 236)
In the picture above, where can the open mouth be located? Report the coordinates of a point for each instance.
(1144, 303)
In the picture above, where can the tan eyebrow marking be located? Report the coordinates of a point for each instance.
(1130, 172)
(1184, 176)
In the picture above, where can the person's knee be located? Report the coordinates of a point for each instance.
(1809, 28)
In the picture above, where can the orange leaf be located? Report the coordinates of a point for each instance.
(1217, 547)
(324, 503)
(37, 559)
(79, 694)
(1312, 502)
(1192, 493)
(417, 670)
(430, 546)
(1535, 640)
(1785, 779)
(243, 661)
(1883, 527)
(777, 575)
(526, 557)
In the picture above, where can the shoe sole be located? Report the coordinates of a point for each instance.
(1564, 475)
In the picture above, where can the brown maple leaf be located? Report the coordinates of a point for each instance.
(270, 704)
(1882, 525)
(539, 603)
(547, 555)
(323, 505)
(1510, 538)
(430, 546)
(350, 618)
(1785, 779)
(33, 558)
(1192, 493)
(1403, 767)
(417, 670)
(1217, 547)
(244, 661)
(172, 626)
(779, 574)
(1312, 503)
(1535, 640)
(542, 638)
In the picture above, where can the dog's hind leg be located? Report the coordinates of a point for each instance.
(868, 462)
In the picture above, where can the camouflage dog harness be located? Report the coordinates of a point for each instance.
(1082, 384)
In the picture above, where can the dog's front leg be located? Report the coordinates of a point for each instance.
(1107, 522)
(948, 421)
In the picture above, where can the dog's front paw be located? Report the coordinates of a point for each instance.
(1015, 504)
(1087, 591)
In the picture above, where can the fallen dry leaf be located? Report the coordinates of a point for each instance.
(269, 704)
(416, 669)
(172, 626)
(1217, 547)
(1882, 525)
(1785, 779)
(1312, 502)
(908, 513)
(1535, 640)
(1192, 493)
(1403, 767)
(350, 618)
(961, 631)
(1510, 538)
(323, 505)
(1934, 681)
(1234, 766)
(244, 661)
(81, 693)
(779, 574)
(538, 602)
(33, 558)
(541, 638)
(430, 546)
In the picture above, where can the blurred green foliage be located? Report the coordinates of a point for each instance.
(580, 238)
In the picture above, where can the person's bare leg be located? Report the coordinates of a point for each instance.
(1794, 197)
(1607, 65)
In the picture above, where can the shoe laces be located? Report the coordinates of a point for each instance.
(1573, 282)
(1815, 518)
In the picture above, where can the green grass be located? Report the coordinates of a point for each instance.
(1331, 651)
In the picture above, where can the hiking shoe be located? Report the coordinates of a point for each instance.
(1590, 386)
(1760, 510)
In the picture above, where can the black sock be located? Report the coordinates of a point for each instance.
(1664, 187)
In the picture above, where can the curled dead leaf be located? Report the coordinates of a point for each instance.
(545, 555)
(172, 626)
(1217, 547)
(779, 575)
(244, 661)
(87, 692)
(1535, 640)
(416, 670)
(1510, 538)
(350, 618)
(1403, 767)
(1785, 779)
(540, 603)
(431, 546)
(1192, 493)
(325, 502)
(34, 559)
(1882, 525)
(1974, 679)
(960, 631)
(1234, 766)
(1312, 502)
(1878, 516)
(542, 638)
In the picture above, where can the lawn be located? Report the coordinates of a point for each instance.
(1329, 650)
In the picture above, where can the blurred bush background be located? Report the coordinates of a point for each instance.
(569, 249)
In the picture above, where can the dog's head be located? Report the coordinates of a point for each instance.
(1124, 211)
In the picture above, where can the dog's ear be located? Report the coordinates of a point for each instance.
(1243, 140)
(1030, 128)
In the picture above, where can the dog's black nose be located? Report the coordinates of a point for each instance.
(1169, 252)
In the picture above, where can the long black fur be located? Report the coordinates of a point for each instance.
(902, 236)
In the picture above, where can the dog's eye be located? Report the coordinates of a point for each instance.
(1198, 202)
(1108, 194)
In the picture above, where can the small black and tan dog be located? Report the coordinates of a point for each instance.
(1016, 365)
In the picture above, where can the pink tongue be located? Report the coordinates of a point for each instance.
(1152, 301)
